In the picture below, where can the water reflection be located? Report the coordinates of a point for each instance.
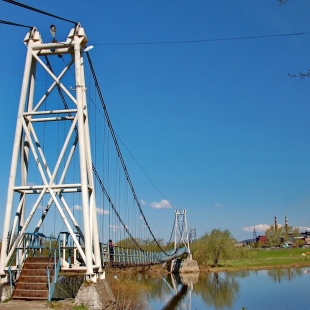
(174, 302)
(230, 290)
(218, 291)
(215, 290)
(289, 274)
(182, 286)
(239, 273)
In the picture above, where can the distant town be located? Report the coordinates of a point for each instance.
(278, 235)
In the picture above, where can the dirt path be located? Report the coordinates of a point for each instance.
(37, 305)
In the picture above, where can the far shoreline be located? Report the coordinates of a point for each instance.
(264, 267)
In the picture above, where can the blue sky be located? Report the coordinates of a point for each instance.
(219, 126)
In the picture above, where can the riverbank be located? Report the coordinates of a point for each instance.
(263, 267)
(253, 259)
(260, 259)
(66, 304)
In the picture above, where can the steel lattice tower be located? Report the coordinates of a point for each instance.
(52, 184)
(180, 230)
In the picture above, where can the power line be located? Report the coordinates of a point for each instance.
(207, 40)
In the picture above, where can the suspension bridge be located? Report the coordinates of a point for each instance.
(69, 189)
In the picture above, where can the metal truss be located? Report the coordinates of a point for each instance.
(26, 199)
(180, 230)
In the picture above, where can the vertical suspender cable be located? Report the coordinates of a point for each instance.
(119, 151)
(96, 173)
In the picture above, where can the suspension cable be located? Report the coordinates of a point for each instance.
(168, 244)
(93, 167)
(121, 159)
(119, 151)
(122, 142)
(113, 207)
(13, 24)
(38, 11)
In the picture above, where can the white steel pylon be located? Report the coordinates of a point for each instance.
(37, 181)
(180, 231)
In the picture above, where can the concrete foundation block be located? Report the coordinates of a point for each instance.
(5, 291)
(96, 296)
(184, 265)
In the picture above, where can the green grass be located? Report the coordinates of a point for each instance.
(260, 258)
(80, 307)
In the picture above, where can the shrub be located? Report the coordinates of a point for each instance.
(129, 294)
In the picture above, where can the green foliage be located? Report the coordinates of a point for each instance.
(215, 246)
(241, 253)
(145, 244)
(297, 241)
(274, 234)
(80, 307)
(55, 305)
(128, 243)
(277, 235)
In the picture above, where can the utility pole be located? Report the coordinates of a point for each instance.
(254, 235)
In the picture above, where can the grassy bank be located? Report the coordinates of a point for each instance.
(266, 258)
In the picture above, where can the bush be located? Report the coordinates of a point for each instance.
(129, 294)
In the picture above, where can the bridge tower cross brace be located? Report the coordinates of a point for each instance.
(28, 150)
(181, 231)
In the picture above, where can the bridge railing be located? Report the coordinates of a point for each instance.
(52, 273)
(122, 256)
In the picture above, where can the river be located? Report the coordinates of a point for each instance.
(273, 289)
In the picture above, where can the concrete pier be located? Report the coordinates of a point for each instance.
(184, 265)
(96, 296)
(5, 291)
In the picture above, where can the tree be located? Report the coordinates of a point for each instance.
(214, 246)
(291, 231)
(296, 234)
(274, 234)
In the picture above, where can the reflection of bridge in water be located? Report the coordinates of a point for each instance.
(56, 186)
(182, 287)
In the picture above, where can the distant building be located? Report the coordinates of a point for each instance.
(291, 239)
(246, 242)
(262, 240)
